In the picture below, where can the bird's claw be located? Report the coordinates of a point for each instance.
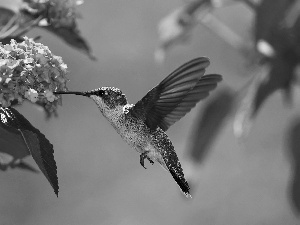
(144, 156)
(150, 160)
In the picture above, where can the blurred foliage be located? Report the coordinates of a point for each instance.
(273, 53)
(209, 122)
(59, 17)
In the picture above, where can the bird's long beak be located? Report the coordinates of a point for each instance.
(87, 94)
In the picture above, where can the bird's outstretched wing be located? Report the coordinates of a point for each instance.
(176, 95)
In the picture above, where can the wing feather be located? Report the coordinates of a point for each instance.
(176, 95)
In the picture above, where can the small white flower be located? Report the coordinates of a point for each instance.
(32, 95)
(7, 80)
(265, 48)
(3, 118)
(49, 95)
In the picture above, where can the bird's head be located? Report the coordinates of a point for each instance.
(108, 97)
(105, 97)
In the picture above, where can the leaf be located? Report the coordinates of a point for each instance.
(293, 139)
(38, 145)
(71, 36)
(25, 166)
(12, 148)
(17, 133)
(11, 140)
(273, 28)
(277, 23)
(244, 115)
(209, 123)
(269, 23)
(280, 77)
(5, 16)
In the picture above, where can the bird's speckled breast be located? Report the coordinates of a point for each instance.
(136, 134)
(132, 130)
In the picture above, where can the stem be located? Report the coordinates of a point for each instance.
(9, 32)
(250, 4)
(224, 32)
(192, 7)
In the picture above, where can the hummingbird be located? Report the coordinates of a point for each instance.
(143, 125)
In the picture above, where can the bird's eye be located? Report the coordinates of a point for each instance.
(101, 92)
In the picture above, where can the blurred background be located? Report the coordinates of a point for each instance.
(240, 181)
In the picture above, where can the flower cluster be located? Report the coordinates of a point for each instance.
(58, 13)
(29, 70)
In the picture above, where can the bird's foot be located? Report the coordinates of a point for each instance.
(150, 160)
(144, 156)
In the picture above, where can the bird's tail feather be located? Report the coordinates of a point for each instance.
(182, 183)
